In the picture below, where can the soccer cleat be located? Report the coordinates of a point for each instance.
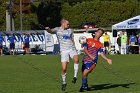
(81, 89)
(63, 87)
(84, 88)
(74, 80)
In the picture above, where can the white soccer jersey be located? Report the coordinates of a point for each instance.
(65, 38)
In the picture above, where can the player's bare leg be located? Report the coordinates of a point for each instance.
(76, 67)
(63, 73)
(27, 50)
(1, 52)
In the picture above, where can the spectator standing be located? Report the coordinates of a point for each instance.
(132, 42)
(12, 41)
(119, 43)
(132, 39)
(27, 43)
(123, 43)
(106, 42)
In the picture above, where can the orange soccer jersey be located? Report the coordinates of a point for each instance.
(93, 47)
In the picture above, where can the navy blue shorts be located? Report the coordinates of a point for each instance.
(12, 46)
(89, 66)
(1, 46)
(27, 45)
(106, 44)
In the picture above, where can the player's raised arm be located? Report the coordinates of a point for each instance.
(109, 61)
(49, 30)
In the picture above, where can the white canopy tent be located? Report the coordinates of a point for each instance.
(132, 23)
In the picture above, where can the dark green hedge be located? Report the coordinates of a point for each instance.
(104, 13)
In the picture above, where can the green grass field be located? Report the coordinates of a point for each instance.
(41, 74)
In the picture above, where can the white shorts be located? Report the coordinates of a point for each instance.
(66, 54)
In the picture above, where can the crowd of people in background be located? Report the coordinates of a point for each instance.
(12, 40)
(128, 43)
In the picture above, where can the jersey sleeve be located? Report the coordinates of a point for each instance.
(101, 49)
(54, 30)
(85, 45)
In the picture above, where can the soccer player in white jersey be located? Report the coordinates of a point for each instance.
(67, 48)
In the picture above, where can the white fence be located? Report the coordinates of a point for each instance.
(46, 40)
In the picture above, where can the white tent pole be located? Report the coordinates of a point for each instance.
(45, 41)
(113, 41)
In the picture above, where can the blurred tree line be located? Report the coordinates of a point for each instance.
(2, 15)
(40, 13)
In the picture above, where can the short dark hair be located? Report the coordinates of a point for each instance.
(101, 30)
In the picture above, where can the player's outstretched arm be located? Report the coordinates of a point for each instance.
(109, 61)
(49, 30)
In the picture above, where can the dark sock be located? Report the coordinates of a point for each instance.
(84, 82)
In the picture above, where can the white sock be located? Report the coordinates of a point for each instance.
(64, 78)
(76, 67)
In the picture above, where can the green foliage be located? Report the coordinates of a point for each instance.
(2, 15)
(104, 13)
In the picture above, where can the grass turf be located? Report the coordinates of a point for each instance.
(41, 74)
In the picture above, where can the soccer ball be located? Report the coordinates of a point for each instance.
(82, 39)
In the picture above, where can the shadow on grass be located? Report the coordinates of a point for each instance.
(108, 86)
(103, 87)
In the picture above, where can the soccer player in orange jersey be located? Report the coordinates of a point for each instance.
(91, 49)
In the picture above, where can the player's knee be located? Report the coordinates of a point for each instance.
(64, 70)
(76, 60)
(84, 75)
